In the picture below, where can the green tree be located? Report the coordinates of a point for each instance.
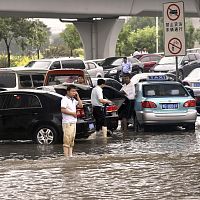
(10, 29)
(71, 38)
(145, 37)
(38, 35)
(123, 44)
(141, 22)
(189, 34)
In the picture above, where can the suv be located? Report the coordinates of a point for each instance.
(56, 63)
(21, 78)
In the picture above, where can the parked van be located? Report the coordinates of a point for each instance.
(21, 78)
(56, 63)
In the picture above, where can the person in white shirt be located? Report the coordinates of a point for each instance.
(126, 66)
(127, 111)
(69, 118)
(136, 52)
(98, 103)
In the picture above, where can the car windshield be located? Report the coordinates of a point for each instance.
(40, 64)
(108, 61)
(117, 62)
(169, 60)
(7, 80)
(194, 74)
(164, 90)
(59, 79)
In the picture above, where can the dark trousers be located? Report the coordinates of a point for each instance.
(99, 114)
(127, 110)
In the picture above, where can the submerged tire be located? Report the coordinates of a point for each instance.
(190, 127)
(45, 134)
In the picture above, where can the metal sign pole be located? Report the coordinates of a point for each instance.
(177, 71)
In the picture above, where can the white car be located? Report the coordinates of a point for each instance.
(94, 70)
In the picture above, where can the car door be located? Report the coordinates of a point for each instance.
(55, 65)
(92, 70)
(21, 111)
(3, 112)
(114, 95)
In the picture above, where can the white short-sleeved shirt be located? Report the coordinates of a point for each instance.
(70, 104)
(97, 93)
(129, 90)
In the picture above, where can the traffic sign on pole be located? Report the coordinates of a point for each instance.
(174, 28)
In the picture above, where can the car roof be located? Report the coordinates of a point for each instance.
(31, 91)
(70, 70)
(137, 77)
(159, 82)
(22, 69)
(59, 58)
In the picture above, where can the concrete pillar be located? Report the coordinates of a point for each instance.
(99, 37)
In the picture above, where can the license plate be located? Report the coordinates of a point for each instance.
(170, 106)
(91, 126)
(196, 84)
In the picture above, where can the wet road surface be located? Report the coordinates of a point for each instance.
(155, 165)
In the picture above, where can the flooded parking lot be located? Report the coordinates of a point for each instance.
(152, 165)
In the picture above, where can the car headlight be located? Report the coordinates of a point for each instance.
(113, 71)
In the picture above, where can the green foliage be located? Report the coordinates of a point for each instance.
(25, 32)
(189, 34)
(141, 22)
(56, 51)
(16, 61)
(140, 32)
(71, 38)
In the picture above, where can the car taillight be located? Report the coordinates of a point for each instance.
(148, 104)
(112, 108)
(190, 103)
(80, 113)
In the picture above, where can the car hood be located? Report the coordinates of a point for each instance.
(165, 67)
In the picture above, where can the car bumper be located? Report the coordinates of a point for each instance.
(85, 128)
(112, 122)
(148, 118)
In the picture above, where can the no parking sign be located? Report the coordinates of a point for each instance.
(174, 29)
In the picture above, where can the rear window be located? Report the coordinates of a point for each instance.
(7, 80)
(76, 64)
(164, 90)
(59, 79)
(40, 64)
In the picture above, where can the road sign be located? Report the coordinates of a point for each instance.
(174, 29)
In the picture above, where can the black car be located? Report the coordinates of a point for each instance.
(35, 115)
(185, 64)
(85, 94)
(112, 67)
(110, 82)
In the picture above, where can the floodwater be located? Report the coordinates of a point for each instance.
(153, 165)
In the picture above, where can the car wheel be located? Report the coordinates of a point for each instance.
(45, 134)
(181, 75)
(190, 127)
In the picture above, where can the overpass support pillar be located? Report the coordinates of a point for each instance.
(99, 37)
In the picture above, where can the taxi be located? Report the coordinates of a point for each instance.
(162, 102)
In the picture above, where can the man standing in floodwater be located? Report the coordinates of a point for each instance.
(99, 111)
(69, 118)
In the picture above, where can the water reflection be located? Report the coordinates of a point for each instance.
(154, 165)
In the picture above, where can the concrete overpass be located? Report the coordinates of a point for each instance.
(98, 36)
